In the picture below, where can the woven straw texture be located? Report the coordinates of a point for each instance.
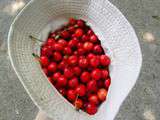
(116, 34)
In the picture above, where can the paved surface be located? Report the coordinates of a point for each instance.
(143, 103)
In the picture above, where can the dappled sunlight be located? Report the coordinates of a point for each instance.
(12, 8)
(149, 115)
(148, 37)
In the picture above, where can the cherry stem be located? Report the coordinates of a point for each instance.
(75, 104)
(35, 39)
(36, 56)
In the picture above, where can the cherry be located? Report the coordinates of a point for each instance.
(105, 74)
(100, 83)
(56, 76)
(62, 65)
(94, 62)
(80, 23)
(78, 104)
(96, 74)
(97, 49)
(92, 86)
(91, 109)
(85, 77)
(71, 95)
(90, 56)
(62, 42)
(65, 34)
(50, 41)
(52, 67)
(73, 43)
(73, 83)
(73, 60)
(81, 51)
(71, 29)
(45, 51)
(67, 50)
(78, 32)
(93, 38)
(77, 71)
(90, 32)
(57, 56)
(44, 61)
(81, 90)
(72, 21)
(79, 45)
(68, 73)
(50, 80)
(62, 81)
(85, 38)
(93, 99)
(88, 46)
(57, 47)
(102, 93)
(62, 91)
(107, 83)
(83, 63)
(45, 71)
(105, 61)
(75, 53)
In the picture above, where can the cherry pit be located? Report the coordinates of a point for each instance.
(75, 63)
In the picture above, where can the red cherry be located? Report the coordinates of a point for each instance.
(50, 41)
(90, 56)
(105, 60)
(80, 23)
(90, 32)
(71, 95)
(73, 60)
(97, 49)
(44, 61)
(107, 83)
(105, 74)
(78, 32)
(78, 103)
(93, 99)
(50, 80)
(68, 73)
(67, 50)
(56, 76)
(73, 43)
(72, 21)
(62, 42)
(71, 29)
(93, 38)
(96, 74)
(83, 62)
(62, 65)
(92, 86)
(52, 67)
(102, 93)
(57, 56)
(100, 83)
(73, 83)
(85, 77)
(77, 71)
(62, 81)
(79, 45)
(57, 47)
(81, 90)
(94, 62)
(62, 91)
(75, 53)
(81, 57)
(91, 109)
(65, 34)
(88, 46)
(46, 51)
(81, 51)
(85, 38)
(45, 71)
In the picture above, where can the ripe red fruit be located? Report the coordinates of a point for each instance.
(79, 45)
(80, 23)
(90, 32)
(94, 62)
(75, 53)
(81, 90)
(93, 99)
(50, 41)
(56, 76)
(92, 86)
(97, 49)
(78, 32)
(77, 71)
(62, 81)
(57, 47)
(78, 103)
(62, 42)
(67, 51)
(88, 46)
(93, 38)
(65, 34)
(100, 83)
(104, 60)
(73, 43)
(91, 109)
(45, 51)
(62, 91)
(83, 63)
(57, 56)
(73, 60)
(50, 80)
(68, 73)
(45, 71)
(102, 93)
(90, 56)
(85, 77)
(71, 29)
(105, 74)
(80, 51)
(107, 83)
(73, 83)
(96, 74)
(72, 21)
(71, 95)
(85, 38)
(44, 61)
(62, 65)
(52, 67)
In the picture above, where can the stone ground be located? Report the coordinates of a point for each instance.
(143, 103)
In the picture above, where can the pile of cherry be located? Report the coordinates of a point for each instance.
(75, 63)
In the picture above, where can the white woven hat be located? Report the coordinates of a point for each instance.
(115, 32)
